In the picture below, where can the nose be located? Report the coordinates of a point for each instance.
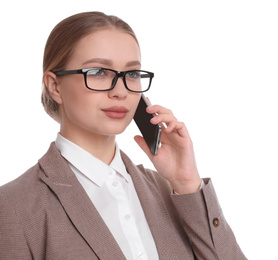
(119, 91)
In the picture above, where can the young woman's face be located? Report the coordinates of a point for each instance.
(101, 113)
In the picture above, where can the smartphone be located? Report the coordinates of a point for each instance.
(150, 132)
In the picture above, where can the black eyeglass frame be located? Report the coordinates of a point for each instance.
(118, 74)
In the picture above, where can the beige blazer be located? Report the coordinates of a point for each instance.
(46, 214)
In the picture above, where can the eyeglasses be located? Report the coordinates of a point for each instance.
(101, 79)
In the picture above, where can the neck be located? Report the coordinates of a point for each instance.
(101, 147)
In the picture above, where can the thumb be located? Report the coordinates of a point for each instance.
(142, 143)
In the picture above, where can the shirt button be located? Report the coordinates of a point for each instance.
(127, 217)
(115, 184)
(140, 255)
(216, 222)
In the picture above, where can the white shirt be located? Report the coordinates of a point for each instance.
(112, 192)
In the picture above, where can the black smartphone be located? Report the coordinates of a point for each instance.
(150, 132)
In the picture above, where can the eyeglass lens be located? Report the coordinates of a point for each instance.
(101, 79)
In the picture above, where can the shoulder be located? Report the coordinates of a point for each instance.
(25, 179)
(21, 188)
(29, 191)
(18, 199)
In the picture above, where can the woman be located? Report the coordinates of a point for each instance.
(85, 199)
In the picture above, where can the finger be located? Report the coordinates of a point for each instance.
(165, 115)
(156, 109)
(178, 127)
(163, 118)
(171, 126)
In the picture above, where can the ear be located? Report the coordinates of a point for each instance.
(51, 83)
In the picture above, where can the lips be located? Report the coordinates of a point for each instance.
(116, 112)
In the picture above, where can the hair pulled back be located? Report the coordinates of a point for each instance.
(62, 40)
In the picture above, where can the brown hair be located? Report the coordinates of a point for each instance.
(62, 40)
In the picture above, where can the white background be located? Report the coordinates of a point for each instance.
(215, 65)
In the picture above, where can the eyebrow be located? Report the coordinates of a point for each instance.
(133, 63)
(99, 60)
(109, 62)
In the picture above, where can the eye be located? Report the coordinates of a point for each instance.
(96, 72)
(133, 74)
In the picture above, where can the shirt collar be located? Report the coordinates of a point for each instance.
(93, 168)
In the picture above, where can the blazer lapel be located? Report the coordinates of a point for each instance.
(170, 245)
(77, 205)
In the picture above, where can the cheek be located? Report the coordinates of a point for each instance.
(135, 102)
(78, 102)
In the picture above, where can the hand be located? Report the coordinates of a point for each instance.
(175, 160)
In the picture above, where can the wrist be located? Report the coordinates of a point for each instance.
(187, 187)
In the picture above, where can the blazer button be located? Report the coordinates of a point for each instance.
(216, 222)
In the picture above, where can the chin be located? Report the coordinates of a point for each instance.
(114, 129)
(117, 131)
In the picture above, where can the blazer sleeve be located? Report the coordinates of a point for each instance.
(13, 244)
(204, 223)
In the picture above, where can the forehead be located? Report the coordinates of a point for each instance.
(112, 44)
